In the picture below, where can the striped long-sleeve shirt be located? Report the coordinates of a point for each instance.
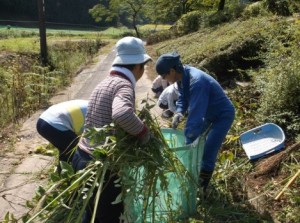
(113, 101)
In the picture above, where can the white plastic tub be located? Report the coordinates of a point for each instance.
(262, 140)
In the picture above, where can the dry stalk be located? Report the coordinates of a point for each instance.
(291, 181)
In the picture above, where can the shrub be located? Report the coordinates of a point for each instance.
(254, 10)
(189, 22)
(280, 7)
(5, 99)
(160, 36)
(280, 83)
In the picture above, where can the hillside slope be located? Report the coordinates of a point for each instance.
(231, 48)
(242, 55)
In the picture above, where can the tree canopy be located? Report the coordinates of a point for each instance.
(133, 12)
(105, 13)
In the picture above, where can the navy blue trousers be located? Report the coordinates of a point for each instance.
(215, 137)
(64, 141)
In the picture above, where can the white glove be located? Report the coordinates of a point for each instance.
(176, 119)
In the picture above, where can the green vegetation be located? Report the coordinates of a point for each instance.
(26, 86)
(256, 59)
(253, 51)
(279, 82)
(15, 31)
(116, 32)
(20, 44)
(141, 168)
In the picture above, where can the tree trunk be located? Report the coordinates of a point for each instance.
(134, 25)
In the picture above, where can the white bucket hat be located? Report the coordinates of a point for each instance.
(130, 50)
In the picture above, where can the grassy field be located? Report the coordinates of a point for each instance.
(110, 31)
(18, 39)
(20, 44)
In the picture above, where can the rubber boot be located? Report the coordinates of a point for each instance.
(204, 179)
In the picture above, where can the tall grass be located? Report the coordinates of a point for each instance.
(20, 45)
(26, 86)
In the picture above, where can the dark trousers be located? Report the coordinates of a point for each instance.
(64, 141)
(106, 211)
(215, 137)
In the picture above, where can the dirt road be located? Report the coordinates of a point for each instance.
(21, 171)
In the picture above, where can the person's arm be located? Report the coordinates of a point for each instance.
(172, 97)
(123, 112)
(199, 99)
(181, 104)
(156, 83)
(162, 100)
(164, 83)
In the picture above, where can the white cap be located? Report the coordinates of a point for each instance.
(130, 50)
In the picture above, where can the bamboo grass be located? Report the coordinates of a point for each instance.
(59, 196)
(105, 167)
(122, 154)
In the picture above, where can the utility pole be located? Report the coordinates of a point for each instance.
(221, 5)
(42, 28)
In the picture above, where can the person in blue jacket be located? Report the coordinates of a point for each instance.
(62, 124)
(209, 109)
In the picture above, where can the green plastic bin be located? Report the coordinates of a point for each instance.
(182, 197)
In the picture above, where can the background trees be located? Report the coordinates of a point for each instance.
(130, 13)
(133, 12)
(105, 13)
(57, 11)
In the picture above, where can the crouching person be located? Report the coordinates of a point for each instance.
(167, 100)
(158, 86)
(62, 124)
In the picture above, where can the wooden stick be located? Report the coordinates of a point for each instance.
(288, 184)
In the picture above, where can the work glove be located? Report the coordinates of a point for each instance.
(204, 178)
(143, 139)
(176, 119)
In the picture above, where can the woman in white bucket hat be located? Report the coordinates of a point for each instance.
(113, 101)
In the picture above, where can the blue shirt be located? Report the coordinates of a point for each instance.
(204, 99)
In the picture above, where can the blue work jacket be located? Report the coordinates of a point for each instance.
(204, 99)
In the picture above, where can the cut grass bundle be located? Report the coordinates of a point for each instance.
(143, 170)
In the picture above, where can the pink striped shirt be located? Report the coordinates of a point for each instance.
(113, 101)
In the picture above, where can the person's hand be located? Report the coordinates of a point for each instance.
(176, 119)
(145, 137)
